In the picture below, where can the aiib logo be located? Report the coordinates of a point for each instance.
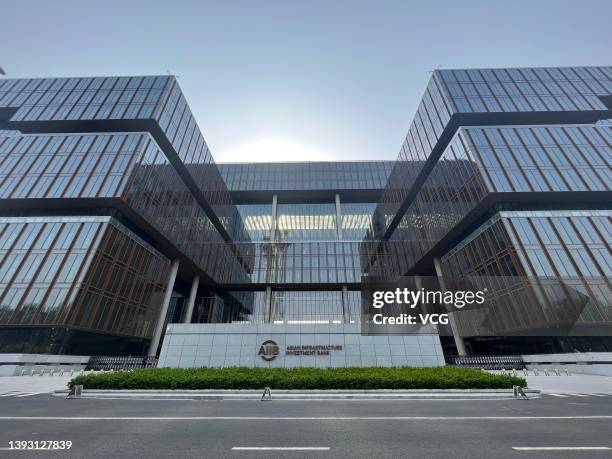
(268, 350)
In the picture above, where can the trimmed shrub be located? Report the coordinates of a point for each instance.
(299, 378)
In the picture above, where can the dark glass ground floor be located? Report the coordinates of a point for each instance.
(526, 345)
(60, 340)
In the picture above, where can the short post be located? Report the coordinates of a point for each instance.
(266, 392)
(519, 393)
(75, 392)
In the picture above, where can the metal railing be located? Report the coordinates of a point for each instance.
(489, 362)
(120, 363)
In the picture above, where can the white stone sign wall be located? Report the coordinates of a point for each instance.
(280, 345)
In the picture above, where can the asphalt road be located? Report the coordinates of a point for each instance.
(373, 429)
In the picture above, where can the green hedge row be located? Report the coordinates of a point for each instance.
(298, 378)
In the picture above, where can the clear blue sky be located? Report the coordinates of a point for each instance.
(299, 79)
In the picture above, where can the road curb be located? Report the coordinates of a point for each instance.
(423, 394)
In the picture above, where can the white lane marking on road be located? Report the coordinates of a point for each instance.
(559, 395)
(300, 418)
(280, 448)
(600, 395)
(560, 448)
(360, 400)
(8, 394)
(579, 395)
(146, 399)
(26, 394)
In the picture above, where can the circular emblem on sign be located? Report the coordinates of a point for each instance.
(268, 350)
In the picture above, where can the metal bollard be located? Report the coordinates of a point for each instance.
(42, 372)
(558, 373)
(536, 372)
(267, 393)
(525, 372)
(23, 372)
(75, 392)
(513, 372)
(518, 393)
(32, 372)
(546, 371)
(567, 372)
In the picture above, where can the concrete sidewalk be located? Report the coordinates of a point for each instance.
(575, 383)
(32, 384)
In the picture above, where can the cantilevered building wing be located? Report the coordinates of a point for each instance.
(507, 172)
(121, 160)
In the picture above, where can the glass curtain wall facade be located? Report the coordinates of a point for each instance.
(507, 172)
(503, 172)
(307, 222)
(89, 273)
(111, 207)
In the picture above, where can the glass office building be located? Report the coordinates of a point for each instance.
(112, 208)
(116, 225)
(506, 173)
(306, 229)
